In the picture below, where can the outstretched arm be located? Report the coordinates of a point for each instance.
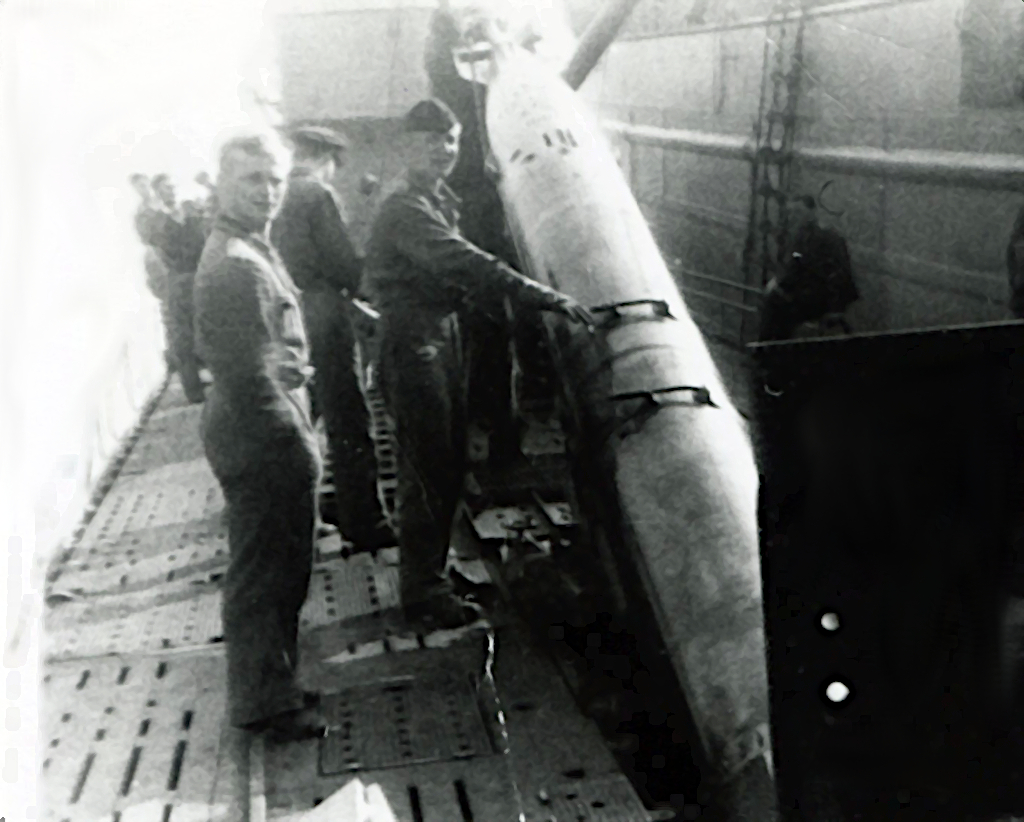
(434, 246)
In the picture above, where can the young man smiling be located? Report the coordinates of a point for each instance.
(259, 440)
(423, 275)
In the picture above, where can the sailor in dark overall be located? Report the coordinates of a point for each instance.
(422, 274)
(179, 235)
(259, 440)
(817, 282)
(311, 235)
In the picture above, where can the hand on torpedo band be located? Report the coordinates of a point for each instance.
(574, 311)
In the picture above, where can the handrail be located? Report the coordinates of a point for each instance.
(954, 169)
(831, 10)
(727, 146)
(721, 300)
(687, 272)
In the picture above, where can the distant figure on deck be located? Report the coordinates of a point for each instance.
(1015, 266)
(422, 275)
(209, 203)
(179, 235)
(312, 237)
(817, 283)
(157, 274)
(259, 440)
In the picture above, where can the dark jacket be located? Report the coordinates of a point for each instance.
(179, 237)
(417, 261)
(819, 276)
(248, 324)
(310, 234)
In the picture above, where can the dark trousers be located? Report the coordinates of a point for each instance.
(179, 327)
(424, 380)
(487, 343)
(338, 398)
(270, 497)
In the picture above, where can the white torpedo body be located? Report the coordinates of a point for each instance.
(651, 414)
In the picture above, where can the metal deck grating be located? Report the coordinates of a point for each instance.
(128, 739)
(452, 791)
(172, 435)
(591, 800)
(344, 588)
(180, 616)
(381, 432)
(403, 721)
(180, 492)
(184, 623)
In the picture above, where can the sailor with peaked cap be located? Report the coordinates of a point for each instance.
(422, 273)
(311, 235)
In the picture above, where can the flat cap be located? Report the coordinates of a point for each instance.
(320, 137)
(430, 115)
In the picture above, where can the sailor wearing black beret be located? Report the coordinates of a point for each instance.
(423, 275)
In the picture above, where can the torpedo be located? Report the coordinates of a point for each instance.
(670, 476)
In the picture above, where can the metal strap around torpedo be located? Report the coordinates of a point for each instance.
(660, 310)
(652, 404)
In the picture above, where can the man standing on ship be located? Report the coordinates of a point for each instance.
(311, 235)
(423, 275)
(259, 440)
(179, 235)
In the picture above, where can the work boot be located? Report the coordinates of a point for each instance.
(291, 726)
(442, 612)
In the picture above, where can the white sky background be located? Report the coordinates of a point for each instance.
(96, 91)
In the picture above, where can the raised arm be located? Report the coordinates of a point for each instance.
(453, 260)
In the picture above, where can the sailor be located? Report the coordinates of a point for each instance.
(208, 203)
(259, 441)
(817, 283)
(311, 235)
(422, 274)
(156, 270)
(178, 234)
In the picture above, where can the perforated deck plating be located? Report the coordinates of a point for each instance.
(381, 431)
(402, 722)
(178, 618)
(593, 800)
(150, 528)
(133, 740)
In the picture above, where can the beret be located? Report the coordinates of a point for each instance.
(430, 115)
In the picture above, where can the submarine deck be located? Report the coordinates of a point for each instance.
(134, 680)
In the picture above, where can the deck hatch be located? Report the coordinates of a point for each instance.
(407, 721)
